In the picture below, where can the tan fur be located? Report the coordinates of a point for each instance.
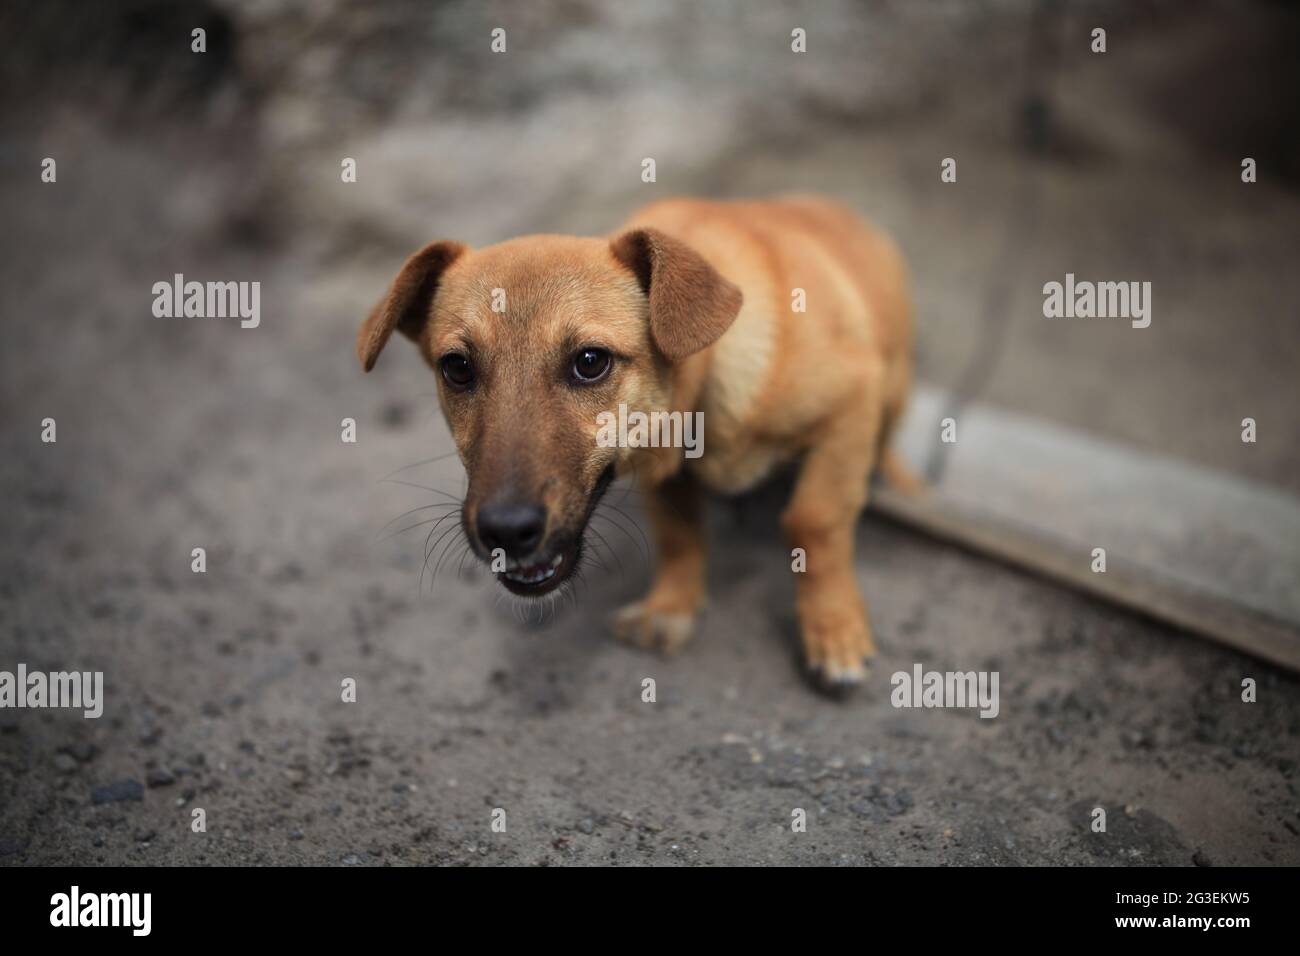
(694, 300)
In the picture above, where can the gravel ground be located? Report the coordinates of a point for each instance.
(233, 706)
(223, 688)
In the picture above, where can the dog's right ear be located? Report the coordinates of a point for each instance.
(405, 306)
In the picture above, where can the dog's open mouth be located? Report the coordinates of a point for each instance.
(531, 580)
(545, 573)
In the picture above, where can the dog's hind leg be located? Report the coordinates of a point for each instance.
(899, 474)
(892, 467)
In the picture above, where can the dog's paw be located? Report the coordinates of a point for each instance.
(654, 629)
(838, 651)
(837, 680)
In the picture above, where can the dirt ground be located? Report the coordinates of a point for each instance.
(223, 693)
(223, 688)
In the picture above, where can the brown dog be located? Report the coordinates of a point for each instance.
(690, 307)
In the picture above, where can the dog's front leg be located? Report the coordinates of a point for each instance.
(821, 519)
(665, 618)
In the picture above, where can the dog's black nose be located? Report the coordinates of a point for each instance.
(514, 528)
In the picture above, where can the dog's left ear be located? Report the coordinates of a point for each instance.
(405, 306)
(691, 305)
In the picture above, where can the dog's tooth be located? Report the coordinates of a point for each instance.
(533, 573)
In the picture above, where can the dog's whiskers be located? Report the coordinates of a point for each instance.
(429, 551)
(417, 464)
(410, 484)
(447, 536)
(382, 537)
(464, 553)
(643, 546)
(446, 549)
(614, 554)
(628, 488)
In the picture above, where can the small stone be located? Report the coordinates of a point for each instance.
(118, 791)
(587, 826)
(83, 751)
(64, 763)
(158, 777)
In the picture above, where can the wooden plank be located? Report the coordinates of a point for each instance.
(1206, 552)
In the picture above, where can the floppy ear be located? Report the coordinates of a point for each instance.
(405, 306)
(691, 305)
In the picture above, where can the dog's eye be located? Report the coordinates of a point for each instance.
(591, 365)
(457, 370)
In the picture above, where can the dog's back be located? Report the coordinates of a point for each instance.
(826, 313)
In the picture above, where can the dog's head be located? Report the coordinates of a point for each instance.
(530, 341)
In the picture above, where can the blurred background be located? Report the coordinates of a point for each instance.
(173, 434)
(1125, 164)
